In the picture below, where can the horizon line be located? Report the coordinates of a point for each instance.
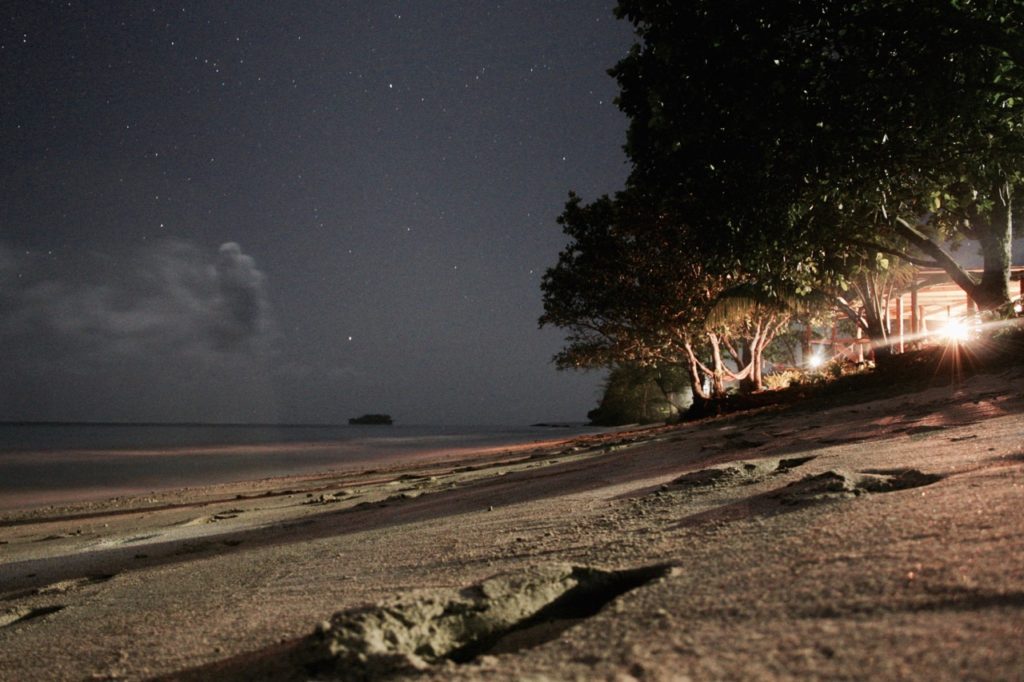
(45, 422)
(52, 422)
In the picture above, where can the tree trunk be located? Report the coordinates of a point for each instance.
(873, 317)
(702, 404)
(695, 374)
(747, 357)
(996, 238)
(879, 337)
(718, 377)
(644, 416)
(757, 373)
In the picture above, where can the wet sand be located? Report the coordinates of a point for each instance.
(879, 540)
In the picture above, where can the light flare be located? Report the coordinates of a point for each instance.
(956, 331)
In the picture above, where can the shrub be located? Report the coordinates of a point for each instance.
(783, 379)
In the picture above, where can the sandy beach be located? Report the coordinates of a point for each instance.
(865, 540)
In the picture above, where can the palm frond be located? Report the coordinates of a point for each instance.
(734, 305)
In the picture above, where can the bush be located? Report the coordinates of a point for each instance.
(783, 379)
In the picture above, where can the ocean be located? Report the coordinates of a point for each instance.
(61, 463)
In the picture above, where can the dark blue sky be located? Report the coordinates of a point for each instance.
(297, 212)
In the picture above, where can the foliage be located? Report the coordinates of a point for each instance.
(632, 287)
(626, 289)
(635, 394)
(786, 151)
(784, 379)
(800, 134)
(874, 286)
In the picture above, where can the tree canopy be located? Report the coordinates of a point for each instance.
(631, 288)
(796, 132)
(790, 148)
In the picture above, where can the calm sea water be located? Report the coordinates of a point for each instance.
(51, 463)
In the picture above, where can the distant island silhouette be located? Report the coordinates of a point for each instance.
(377, 419)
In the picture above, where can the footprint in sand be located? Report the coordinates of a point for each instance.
(843, 440)
(65, 586)
(510, 612)
(838, 484)
(59, 536)
(187, 548)
(327, 498)
(957, 439)
(213, 518)
(12, 617)
(746, 441)
(913, 431)
(738, 473)
(61, 587)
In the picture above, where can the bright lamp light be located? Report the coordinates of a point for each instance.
(956, 330)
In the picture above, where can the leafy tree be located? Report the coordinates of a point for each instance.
(625, 290)
(875, 287)
(747, 320)
(631, 288)
(942, 82)
(636, 394)
(801, 135)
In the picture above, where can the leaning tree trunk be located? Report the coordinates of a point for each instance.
(693, 370)
(996, 238)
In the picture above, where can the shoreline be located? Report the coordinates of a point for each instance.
(255, 461)
(443, 461)
(787, 535)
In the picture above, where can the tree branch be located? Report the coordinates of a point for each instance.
(920, 262)
(852, 314)
(963, 278)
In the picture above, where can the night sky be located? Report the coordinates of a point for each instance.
(295, 212)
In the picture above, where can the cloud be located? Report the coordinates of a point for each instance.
(170, 298)
(242, 313)
(7, 263)
(178, 327)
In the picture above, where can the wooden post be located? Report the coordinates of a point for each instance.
(860, 346)
(899, 322)
(915, 313)
(805, 350)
